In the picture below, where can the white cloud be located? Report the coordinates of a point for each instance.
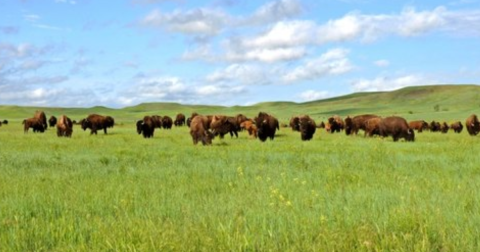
(240, 73)
(202, 21)
(312, 95)
(274, 11)
(384, 83)
(333, 62)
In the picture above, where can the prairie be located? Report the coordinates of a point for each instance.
(121, 192)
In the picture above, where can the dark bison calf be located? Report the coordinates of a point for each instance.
(397, 127)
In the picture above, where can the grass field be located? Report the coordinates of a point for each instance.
(121, 192)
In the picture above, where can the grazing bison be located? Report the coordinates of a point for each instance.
(64, 126)
(295, 123)
(35, 123)
(457, 127)
(5, 122)
(167, 122)
(42, 117)
(444, 127)
(199, 130)
(307, 127)
(96, 122)
(179, 120)
(397, 127)
(157, 121)
(473, 125)
(372, 126)
(52, 121)
(221, 125)
(266, 126)
(435, 126)
(250, 127)
(353, 125)
(240, 118)
(418, 125)
(146, 126)
(336, 124)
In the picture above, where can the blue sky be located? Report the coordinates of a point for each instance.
(74, 53)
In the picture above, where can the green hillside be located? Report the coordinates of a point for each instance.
(440, 102)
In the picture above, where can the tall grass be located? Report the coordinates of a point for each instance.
(120, 192)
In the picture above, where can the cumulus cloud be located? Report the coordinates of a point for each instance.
(333, 62)
(384, 83)
(382, 63)
(274, 11)
(243, 74)
(201, 21)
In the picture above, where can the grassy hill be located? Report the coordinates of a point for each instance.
(439, 102)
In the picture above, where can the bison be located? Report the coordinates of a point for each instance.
(250, 127)
(473, 125)
(5, 121)
(457, 127)
(146, 126)
(435, 126)
(167, 122)
(199, 130)
(52, 121)
(397, 127)
(295, 123)
(353, 125)
(96, 122)
(372, 126)
(418, 125)
(35, 123)
(266, 126)
(42, 117)
(221, 125)
(307, 127)
(179, 120)
(444, 127)
(64, 126)
(336, 124)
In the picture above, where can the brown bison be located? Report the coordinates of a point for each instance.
(35, 123)
(336, 124)
(167, 122)
(444, 127)
(353, 125)
(240, 118)
(221, 125)
(157, 121)
(307, 127)
(42, 117)
(419, 125)
(435, 126)
(5, 122)
(295, 123)
(457, 127)
(397, 127)
(473, 125)
(199, 130)
(52, 121)
(266, 126)
(179, 120)
(146, 127)
(64, 126)
(372, 126)
(96, 122)
(250, 127)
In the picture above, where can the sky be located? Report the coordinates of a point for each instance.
(84, 53)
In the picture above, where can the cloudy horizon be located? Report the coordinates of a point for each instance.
(67, 53)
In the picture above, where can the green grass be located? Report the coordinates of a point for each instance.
(120, 192)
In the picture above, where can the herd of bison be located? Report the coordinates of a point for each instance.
(204, 128)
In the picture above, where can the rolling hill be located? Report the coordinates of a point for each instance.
(440, 102)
